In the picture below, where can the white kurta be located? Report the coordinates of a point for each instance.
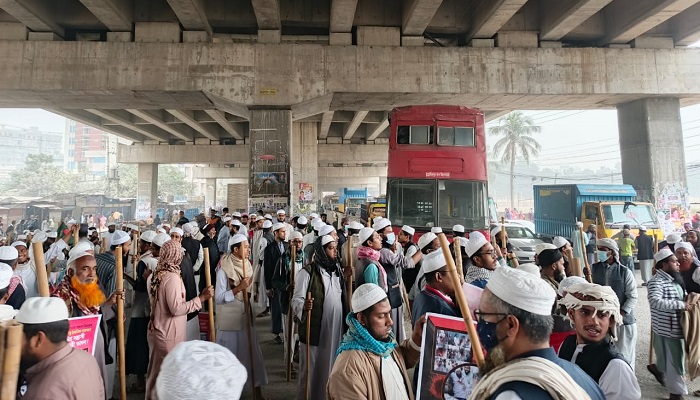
(262, 302)
(27, 272)
(321, 357)
(237, 341)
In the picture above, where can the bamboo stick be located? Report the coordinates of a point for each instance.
(12, 334)
(210, 302)
(308, 345)
(587, 269)
(120, 321)
(462, 301)
(349, 282)
(651, 331)
(457, 245)
(42, 279)
(290, 319)
(249, 329)
(76, 233)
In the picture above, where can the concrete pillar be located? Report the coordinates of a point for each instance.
(304, 167)
(210, 194)
(269, 138)
(147, 190)
(651, 148)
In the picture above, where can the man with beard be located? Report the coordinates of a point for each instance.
(514, 323)
(192, 246)
(106, 262)
(666, 301)
(595, 313)
(563, 246)
(370, 363)
(50, 367)
(16, 290)
(609, 272)
(685, 253)
(272, 253)
(82, 294)
(282, 219)
(483, 259)
(224, 236)
(552, 263)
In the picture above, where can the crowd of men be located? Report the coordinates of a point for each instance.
(338, 301)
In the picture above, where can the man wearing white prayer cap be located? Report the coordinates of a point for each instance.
(224, 235)
(199, 370)
(483, 260)
(405, 239)
(436, 230)
(370, 363)
(16, 291)
(667, 303)
(514, 323)
(457, 232)
(262, 302)
(282, 218)
(689, 265)
(609, 272)
(540, 247)
(530, 268)
(5, 276)
(106, 263)
(54, 369)
(351, 246)
(427, 244)
(595, 312)
(438, 294)
(272, 253)
(394, 263)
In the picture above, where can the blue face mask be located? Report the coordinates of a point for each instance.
(602, 255)
(390, 238)
(487, 334)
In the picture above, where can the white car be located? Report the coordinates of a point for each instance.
(523, 241)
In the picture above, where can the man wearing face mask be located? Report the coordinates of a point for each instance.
(370, 363)
(609, 272)
(514, 325)
(393, 264)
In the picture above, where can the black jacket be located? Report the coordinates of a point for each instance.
(272, 255)
(187, 274)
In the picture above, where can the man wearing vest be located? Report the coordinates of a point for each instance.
(405, 239)
(272, 253)
(594, 311)
(609, 272)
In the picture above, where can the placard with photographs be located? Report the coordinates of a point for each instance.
(447, 370)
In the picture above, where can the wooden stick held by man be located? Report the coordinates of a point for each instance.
(120, 321)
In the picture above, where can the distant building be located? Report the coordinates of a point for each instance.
(18, 143)
(89, 149)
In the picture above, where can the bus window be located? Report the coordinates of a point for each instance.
(462, 202)
(411, 201)
(419, 134)
(455, 136)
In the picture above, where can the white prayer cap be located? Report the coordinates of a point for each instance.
(5, 275)
(166, 225)
(458, 228)
(365, 296)
(684, 245)
(281, 212)
(236, 214)
(148, 236)
(236, 222)
(426, 239)
(71, 222)
(253, 215)
(607, 243)
(365, 233)
(540, 247)
(119, 237)
(52, 235)
(523, 290)
(496, 230)
(276, 226)
(313, 215)
(531, 269)
(268, 216)
(663, 254)
(111, 223)
(18, 243)
(673, 238)
(267, 224)
(22, 237)
(189, 228)
(160, 239)
(642, 228)
(433, 261)
(568, 282)
(162, 230)
(132, 227)
(80, 250)
(40, 237)
(579, 224)
(178, 231)
(42, 310)
(326, 239)
(7, 312)
(8, 253)
(408, 229)
(436, 229)
(559, 242)
(325, 230)
(355, 225)
(237, 238)
(226, 219)
(302, 220)
(200, 370)
(381, 224)
(476, 242)
(259, 218)
(296, 235)
(318, 224)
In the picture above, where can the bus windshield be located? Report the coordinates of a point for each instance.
(632, 214)
(427, 203)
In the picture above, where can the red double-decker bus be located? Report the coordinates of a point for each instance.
(437, 168)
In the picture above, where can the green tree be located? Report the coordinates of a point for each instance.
(171, 181)
(515, 131)
(40, 177)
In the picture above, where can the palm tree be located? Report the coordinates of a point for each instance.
(517, 141)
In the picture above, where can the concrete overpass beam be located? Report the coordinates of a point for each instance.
(189, 120)
(87, 118)
(304, 164)
(627, 19)
(184, 154)
(686, 30)
(34, 14)
(326, 121)
(561, 17)
(147, 190)
(342, 17)
(233, 129)
(191, 14)
(651, 147)
(489, 16)
(267, 14)
(13, 31)
(378, 129)
(238, 172)
(417, 14)
(114, 14)
(354, 124)
(270, 134)
(158, 121)
(126, 122)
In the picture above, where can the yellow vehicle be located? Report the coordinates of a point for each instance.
(610, 217)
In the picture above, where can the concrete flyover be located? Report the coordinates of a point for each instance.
(307, 74)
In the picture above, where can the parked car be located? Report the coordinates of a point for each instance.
(523, 241)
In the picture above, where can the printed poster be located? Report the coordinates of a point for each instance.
(82, 332)
(447, 370)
